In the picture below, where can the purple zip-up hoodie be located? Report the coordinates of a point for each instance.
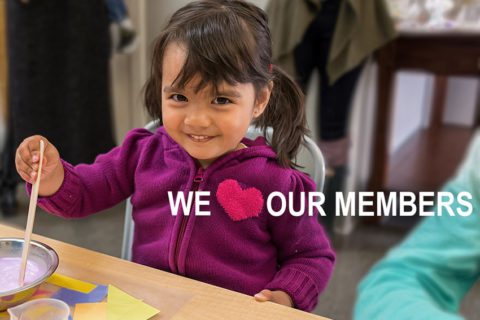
(240, 246)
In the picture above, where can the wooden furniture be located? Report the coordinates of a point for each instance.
(440, 54)
(168, 292)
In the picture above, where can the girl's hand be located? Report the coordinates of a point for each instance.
(27, 161)
(277, 296)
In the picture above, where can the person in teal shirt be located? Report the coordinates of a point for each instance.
(428, 275)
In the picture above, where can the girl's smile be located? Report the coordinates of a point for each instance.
(200, 139)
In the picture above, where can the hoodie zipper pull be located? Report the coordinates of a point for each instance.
(198, 178)
(196, 182)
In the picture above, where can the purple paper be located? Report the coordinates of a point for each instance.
(72, 297)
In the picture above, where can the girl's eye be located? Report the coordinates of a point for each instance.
(221, 100)
(179, 98)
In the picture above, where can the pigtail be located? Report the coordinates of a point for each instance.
(152, 100)
(285, 113)
(153, 86)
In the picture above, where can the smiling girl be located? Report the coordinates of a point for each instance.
(211, 76)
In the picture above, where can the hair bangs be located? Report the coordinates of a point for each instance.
(218, 50)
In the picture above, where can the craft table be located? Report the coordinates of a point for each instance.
(165, 291)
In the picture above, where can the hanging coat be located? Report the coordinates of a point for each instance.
(362, 27)
(58, 54)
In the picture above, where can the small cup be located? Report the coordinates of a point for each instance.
(40, 309)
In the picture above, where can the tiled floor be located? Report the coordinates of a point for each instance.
(356, 253)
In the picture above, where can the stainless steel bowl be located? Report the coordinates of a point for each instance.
(41, 254)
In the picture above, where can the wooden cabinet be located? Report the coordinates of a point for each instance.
(443, 55)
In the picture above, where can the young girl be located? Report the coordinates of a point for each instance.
(211, 76)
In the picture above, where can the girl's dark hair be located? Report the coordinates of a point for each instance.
(229, 40)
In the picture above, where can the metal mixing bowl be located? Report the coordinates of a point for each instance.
(39, 253)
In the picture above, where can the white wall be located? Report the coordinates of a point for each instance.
(361, 129)
(128, 74)
(461, 101)
(411, 98)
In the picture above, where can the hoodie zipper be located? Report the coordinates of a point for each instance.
(196, 182)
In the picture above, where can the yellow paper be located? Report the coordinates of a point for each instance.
(122, 306)
(118, 303)
(141, 311)
(90, 311)
(70, 283)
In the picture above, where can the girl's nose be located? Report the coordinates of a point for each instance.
(197, 117)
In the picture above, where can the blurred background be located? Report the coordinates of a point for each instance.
(399, 81)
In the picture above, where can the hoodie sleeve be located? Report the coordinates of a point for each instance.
(87, 189)
(305, 257)
(428, 275)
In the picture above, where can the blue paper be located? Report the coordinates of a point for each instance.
(72, 297)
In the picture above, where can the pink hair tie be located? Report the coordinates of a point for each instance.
(271, 67)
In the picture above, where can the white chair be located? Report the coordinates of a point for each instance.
(129, 225)
(315, 161)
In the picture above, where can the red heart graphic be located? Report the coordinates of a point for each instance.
(239, 204)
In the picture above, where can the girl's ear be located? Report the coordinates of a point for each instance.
(262, 100)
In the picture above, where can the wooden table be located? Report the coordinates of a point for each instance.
(440, 54)
(165, 291)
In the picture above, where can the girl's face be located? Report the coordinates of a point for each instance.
(205, 124)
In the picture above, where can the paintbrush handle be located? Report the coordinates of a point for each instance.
(31, 218)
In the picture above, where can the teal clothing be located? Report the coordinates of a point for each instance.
(428, 275)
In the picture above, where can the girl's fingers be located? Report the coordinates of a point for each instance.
(24, 153)
(276, 296)
(21, 164)
(29, 150)
(24, 164)
(33, 176)
(27, 157)
(36, 164)
(264, 295)
(23, 175)
(23, 168)
(33, 144)
(26, 176)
